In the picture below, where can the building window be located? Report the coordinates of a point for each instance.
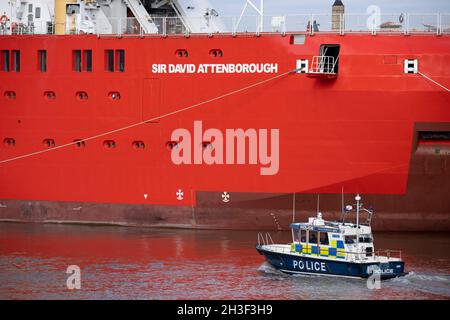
(30, 8)
(5, 60)
(76, 58)
(87, 60)
(16, 60)
(120, 56)
(109, 60)
(37, 13)
(42, 58)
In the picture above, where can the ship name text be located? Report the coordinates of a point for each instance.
(215, 68)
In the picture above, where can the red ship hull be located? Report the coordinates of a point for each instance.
(357, 133)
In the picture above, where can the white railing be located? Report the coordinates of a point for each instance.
(397, 254)
(264, 239)
(323, 65)
(303, 23)
(279, 248)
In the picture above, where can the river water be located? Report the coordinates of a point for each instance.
(139, 263)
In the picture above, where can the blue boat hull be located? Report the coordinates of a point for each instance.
(293, 264)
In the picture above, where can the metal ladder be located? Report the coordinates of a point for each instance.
(142, 16)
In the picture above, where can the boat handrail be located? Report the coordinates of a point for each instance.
(285, 248)
(268, 237)
(261, 239)
(388, 252)
(265, 239)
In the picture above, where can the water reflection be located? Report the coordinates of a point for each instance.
(135, 263)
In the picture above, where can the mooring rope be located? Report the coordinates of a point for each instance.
(434, 81)
(148, 120)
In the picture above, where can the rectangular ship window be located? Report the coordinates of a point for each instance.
(312, 236)
(42, 58)
(324, 238)
(87, 63)
(16, 60)
(37, 13)
(76, 60)
(5, 60)
(109, 60)
(120, 56)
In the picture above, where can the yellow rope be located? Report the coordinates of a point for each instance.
(148, 120)
(435, 82)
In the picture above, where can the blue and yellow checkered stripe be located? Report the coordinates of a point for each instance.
(335, 250)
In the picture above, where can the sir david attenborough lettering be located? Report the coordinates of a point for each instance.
(208, 68)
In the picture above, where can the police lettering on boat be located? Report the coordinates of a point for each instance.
(343, 249)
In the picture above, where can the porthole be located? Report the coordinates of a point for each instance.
(10, 94)
(216, 53)
(181, 53)
(207, 144)
(171, 145)
(109, 144)
(9, 142)
(82, 95)
(49, 143)
(50, 95)
(114, 95)
(138, 145)
(79, 143)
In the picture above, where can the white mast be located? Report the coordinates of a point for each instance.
(293, 208)
(357, 198)
(259, 10)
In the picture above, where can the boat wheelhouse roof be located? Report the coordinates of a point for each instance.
(327, 227)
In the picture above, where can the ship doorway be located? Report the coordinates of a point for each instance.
(151, 99)
(331, 50)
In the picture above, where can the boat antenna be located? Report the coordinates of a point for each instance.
(357, 198)
(318, 202)
(293, 208)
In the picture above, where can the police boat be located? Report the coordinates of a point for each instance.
(341, 249)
